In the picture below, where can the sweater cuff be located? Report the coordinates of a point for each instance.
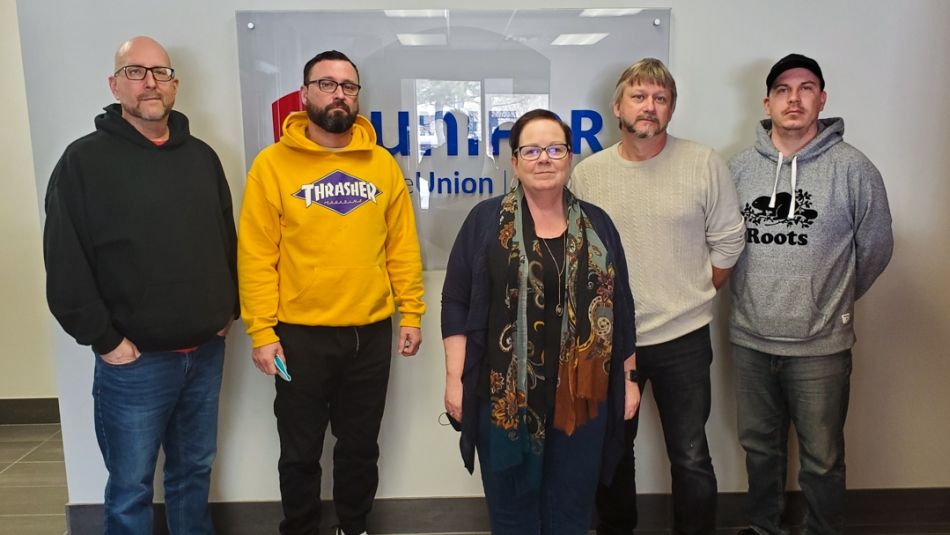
(410, 320)
(721, 261)
(263, 337)
(107, 342)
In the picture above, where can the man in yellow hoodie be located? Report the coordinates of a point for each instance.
(327, 249)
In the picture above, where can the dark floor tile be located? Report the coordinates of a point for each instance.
(28, 433)
(13, 451)
(51, 450)
(898, 530)
(33, 525)
(52, 474)
(32, 500)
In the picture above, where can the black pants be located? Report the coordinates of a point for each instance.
(340, 375)
(679, 372)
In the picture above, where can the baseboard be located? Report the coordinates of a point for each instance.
(29, 411)
(887, 510)
(419, 515)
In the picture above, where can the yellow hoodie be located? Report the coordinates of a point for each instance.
(326, 236)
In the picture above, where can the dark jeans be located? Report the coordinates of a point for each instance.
(165, 399)
(812, 393)
(679, 372)
(565, 502)
(340, 376)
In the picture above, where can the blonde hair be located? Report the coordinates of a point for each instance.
(647, 70)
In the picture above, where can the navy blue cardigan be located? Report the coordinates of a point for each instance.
(466, 297)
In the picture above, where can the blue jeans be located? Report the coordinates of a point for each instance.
(679, 372)
(565, 502)
(812, 393)
(165, 399)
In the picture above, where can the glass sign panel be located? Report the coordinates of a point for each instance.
(443, 87)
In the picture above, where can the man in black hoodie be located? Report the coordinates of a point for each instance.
(140, 248)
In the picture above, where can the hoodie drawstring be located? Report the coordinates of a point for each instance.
(778, 172)
(791, 207)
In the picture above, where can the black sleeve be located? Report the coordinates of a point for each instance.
(230, 234)
(457, 288)
(623, 295)
(624, 307)
(71, 288)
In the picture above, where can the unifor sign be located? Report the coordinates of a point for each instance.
(443, 87)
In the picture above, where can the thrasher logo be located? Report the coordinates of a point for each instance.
(339, 192)
(759, 214)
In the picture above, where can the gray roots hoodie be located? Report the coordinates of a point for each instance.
(818, 233)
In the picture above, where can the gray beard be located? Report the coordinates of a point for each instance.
(134, 111)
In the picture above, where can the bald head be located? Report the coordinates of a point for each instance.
(140, 45)
(146, 100)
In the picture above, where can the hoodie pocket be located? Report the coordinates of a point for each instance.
(780, 308)
(180, 312)
(343, 290)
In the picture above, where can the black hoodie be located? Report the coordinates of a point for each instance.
(139, 239)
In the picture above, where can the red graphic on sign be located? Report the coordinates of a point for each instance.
(283, 107)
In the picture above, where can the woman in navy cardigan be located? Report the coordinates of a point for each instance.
(538, 327)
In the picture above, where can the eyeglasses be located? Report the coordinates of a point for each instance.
(532, 152)
(137, 72)
(329, 86)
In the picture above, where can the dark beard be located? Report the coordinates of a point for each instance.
(334, 123)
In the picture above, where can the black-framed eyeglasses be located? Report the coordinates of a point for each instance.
(558, 151)
(138, 72)
(329, 86)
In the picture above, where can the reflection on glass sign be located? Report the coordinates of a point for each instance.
(443, 87)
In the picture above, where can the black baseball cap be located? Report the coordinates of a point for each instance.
(793, 61)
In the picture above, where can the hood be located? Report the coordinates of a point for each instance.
(830, 133)
(295, 135)
(112, 122)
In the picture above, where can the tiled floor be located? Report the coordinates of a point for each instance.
(33, 487)
(32, 480)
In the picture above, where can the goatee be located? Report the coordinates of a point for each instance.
(642, 134)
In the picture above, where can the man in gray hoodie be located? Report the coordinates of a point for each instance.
(818, 233)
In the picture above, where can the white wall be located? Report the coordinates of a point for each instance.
(26, 369)
(885, 73)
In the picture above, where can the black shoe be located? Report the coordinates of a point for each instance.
(747, 531)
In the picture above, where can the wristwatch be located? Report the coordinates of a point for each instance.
(632, 376)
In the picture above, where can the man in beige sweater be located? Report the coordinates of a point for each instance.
(674, 203)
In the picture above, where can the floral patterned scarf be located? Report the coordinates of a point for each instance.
(519, 408)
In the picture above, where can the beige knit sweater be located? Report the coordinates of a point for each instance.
(678, 216)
